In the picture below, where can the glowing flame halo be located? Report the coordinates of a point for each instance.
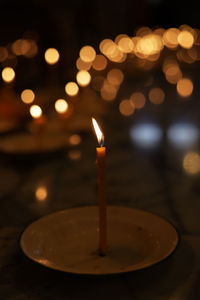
(99, 134)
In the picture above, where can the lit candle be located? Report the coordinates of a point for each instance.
(62, 108)
(64, 111)
(101, 153)
(52, 57)
(39, 121)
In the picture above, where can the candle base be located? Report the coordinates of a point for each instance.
(68, 240)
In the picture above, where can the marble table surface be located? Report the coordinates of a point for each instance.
(152, 179)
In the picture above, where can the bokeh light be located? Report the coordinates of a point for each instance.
(27, 96)
(83, 78)
(51, 56)
(100, 63)
(184, 87)
(191, 163)
(142, 31)
(170, 37)
(21, 47)
(61, 106)
(82, 65)
(168, 62)
(107, 46)
(138, 100)
(108, 91)
(41, 193)
(115, 77)
(183, 135)
(171, 70)
(173, 74)
(146, 135)
(87, 54)
(8, 74)
(125, 44)
(74, 154)
(112, 51)
(193, 54)
(148, 45)
(187, 28)
(35, 111)
(75, 139)
(126, 108)
(33, 49)
(188, 56)
(185, 39)
(156, 95)
(119, 37)
(159, 31)
(71, 88)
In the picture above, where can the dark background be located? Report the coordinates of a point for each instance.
(68, 25)
(154, 181)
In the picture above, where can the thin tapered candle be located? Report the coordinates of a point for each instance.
(101, 154)
(39, 122)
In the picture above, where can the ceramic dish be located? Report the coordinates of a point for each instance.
(68, 240)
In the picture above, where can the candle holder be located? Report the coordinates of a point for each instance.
(68, 240)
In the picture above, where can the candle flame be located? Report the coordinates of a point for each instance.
(99, 134)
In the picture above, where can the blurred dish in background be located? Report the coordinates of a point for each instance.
(8, 125)
(25, 143)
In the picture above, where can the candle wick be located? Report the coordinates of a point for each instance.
(102, 142)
